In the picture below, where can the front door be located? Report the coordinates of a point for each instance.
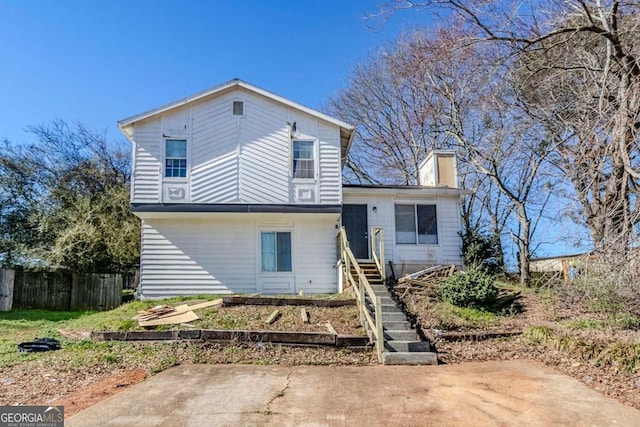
(354, 220)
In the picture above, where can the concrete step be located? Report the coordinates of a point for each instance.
(379, 288)
(407, 346)
(396, 335)
(400, 335)
(407, 358)
(402, 325)
(393, 317)
(386, 308)
(397, 327)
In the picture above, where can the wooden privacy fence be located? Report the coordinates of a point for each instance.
(60, 290)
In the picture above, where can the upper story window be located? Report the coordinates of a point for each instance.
(303, 159)
(175, 158)
(416, 224)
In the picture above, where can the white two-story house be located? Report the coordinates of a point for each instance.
(240, 190)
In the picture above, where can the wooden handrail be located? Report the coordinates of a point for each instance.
(360, 288)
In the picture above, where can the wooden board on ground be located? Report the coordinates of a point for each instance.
(305, 315)
(189, 316)
(273, 317)
(153, 314)
(430, 276)
(207, 304)
(244, 300)
(331, 329)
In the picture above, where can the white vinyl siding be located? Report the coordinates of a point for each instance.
(146, 176)
(448, 249)
(214, 152)
(329, 165)
(216, 254)
(238, 158)
(264, 153)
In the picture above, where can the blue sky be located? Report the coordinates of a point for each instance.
(99, 61)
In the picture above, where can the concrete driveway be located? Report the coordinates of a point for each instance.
(490, 393)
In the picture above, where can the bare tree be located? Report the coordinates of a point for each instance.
(395, 127)
(579, 73)
(437, 89)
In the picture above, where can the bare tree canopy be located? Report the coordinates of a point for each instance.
(575, 67)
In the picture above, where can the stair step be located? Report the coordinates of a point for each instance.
(407, 358)
(396, 335)
(407, 346)
(386, 308)
(393, 317)
(397, 325)
(400, 335)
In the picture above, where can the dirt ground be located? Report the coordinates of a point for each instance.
(536, 310)
(59, 378)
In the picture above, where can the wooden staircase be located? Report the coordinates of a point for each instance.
(401, 343)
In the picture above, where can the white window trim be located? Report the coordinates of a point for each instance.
(259, 251)
(415, 217)
(316, 163)
(164, 160)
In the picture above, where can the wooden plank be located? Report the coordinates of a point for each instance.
(243, 300)
(352, 341)
(207, 304)
(420, 283)
(305, 315)
(6, 289)
(331, 329)
(273, 317)
(420, 273)
(177, 310)
(171, 320)
(152, 335)
(452, 270)
(269, 336)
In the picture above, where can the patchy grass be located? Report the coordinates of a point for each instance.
(623, 356)
(25, 325)
(452, 316)
(616, 321)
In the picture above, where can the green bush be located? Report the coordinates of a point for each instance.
(473, 288)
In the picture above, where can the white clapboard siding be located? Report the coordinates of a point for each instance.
(329, 164)
(145, 187)
(448, 229)
(448, 249)
(214, 152)
(237, 159)
(316, 254)
(190, 257)
(264, 152)
(220, 253)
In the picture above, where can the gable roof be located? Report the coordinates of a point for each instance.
(347, 131)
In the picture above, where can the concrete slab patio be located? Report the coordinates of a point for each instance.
(521, 393)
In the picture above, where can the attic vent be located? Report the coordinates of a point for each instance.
(238, 108)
